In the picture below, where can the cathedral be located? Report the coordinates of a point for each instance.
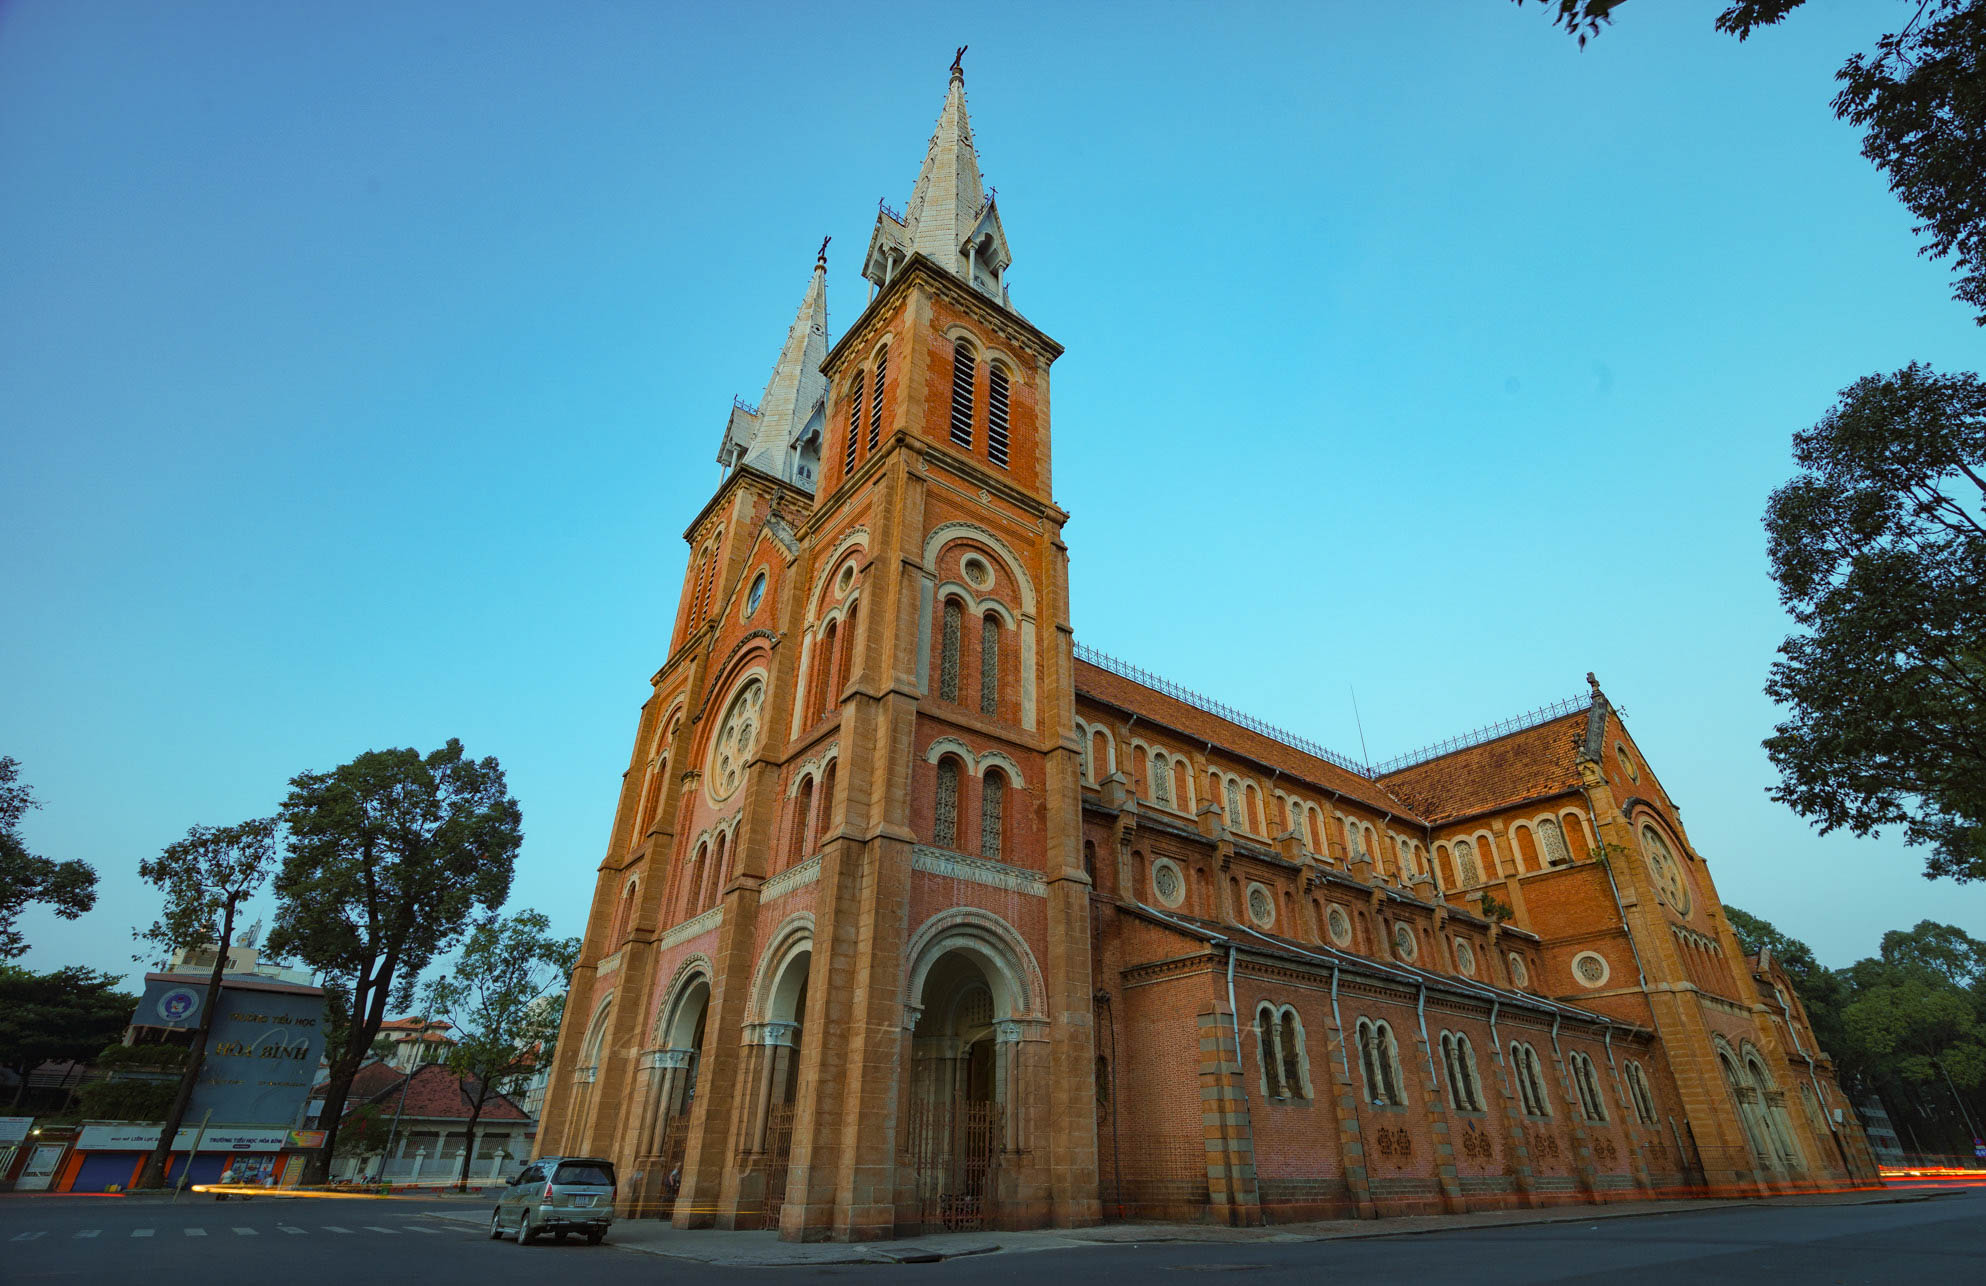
(1090, 945)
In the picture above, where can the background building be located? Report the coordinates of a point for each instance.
(917, 915)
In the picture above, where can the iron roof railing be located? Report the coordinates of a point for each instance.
(1489, 732)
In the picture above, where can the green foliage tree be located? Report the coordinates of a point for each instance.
(67, 1014)
(1879, 549)
(1916, 96)
(67, 888)
(390, 857)
(125, 1098)
(204, 879)
(1821, 991)
(364, 1133)
(504, 999)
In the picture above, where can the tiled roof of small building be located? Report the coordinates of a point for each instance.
(432, 1092)
(1528, 764)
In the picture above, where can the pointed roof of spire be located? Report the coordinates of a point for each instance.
(760, 436)
(952, 218)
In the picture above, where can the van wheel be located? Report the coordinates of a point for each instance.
(595, 1238)
(524, 1234)
(496, 1225)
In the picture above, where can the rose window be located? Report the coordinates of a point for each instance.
(737, 738)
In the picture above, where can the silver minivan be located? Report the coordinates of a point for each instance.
(557, 1195)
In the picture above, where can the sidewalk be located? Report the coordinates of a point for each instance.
(764, 1249)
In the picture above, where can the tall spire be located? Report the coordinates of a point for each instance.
(951, 219)
(782, 434)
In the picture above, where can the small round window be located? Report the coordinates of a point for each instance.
(1340, 926)
(755, 595)
(1465, 956)
(1519, 975)
(1590, 968)
(1261, 905)
(977, 573)
(1626, 762)
(847, 578)
(1403, 942)
(1168, 885)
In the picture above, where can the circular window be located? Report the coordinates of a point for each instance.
(977, 573)
(1626, 762)
(1465, 957)
(1590, 968)
(1403, 942)
(1669, 881)
(1340, 926)
(1519, 975)
(843, 581)
(1261, 905)
(1168, 885)
(755, 595)
(737, 737)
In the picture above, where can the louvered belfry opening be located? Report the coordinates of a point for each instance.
(996, 415)
(854, 424)
(964, 367)
(876, 402)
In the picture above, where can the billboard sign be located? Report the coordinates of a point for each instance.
(14, 1129)
(124, 1137)
(262, 1047)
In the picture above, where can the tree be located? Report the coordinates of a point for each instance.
(67, 888)
(1917, 99)
(1879, 549)
(389, 857)
(504, 999)
(205, 879)
(1821, 991)
(67, 1014)
(365, 1132)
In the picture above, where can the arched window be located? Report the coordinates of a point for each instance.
(992, 812)
(845, 667)
(1637, 1090)
(1289, 1034)
(1379, 1058)
(1553, 842)
(1530, 1080)
(1465, 862)
(963, 367)
(693, 878)
(996, 414)
(854, 425)
(945, 827)
(803, 814)
(1265, 1052)
(989, 665)
(876, 398)
(826, 806)
(1099, 756)
(1237, 817)
(948, 650)
(713, 876)
(1587, 1083)
(824, 668)
(1458, 1059)
(1316, 840)
(1161, 780)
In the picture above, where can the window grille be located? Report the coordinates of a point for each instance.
(1553, 842)
(1236, 820)
(854, 424)
(1265, 1057)
(1292, 1056)
(945, 829)
(1161, 779)
(996, 415)
(992, 810)
(948, 657)
(963, 368)
(876, 399)
(1465, 860)
(989, 666)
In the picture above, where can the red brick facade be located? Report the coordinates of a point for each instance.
(912, 919)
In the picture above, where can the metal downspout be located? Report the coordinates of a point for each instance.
(1427, 1050)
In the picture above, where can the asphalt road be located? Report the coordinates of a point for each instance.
(336, 1243)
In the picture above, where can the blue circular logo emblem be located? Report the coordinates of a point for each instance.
(179, 1004)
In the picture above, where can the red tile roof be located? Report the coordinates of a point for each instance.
(1530, 764)
(432, 1093)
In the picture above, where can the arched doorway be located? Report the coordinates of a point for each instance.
(673, 1068)
(772, 1065)
(963, 1067)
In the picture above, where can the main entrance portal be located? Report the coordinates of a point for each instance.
(957, 1085)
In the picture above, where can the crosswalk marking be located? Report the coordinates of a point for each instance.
(432, 1232)
(196, 1232)
(89, 1232)
(331, 1227)
(25, 1236)
(373, 1227)
(295, 1231)
(246, 1232)
(141, 1232)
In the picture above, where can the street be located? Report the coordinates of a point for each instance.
(334, 1242)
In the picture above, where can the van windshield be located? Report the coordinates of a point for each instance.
(585, 1172)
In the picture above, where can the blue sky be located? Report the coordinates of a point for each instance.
(361, 365)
